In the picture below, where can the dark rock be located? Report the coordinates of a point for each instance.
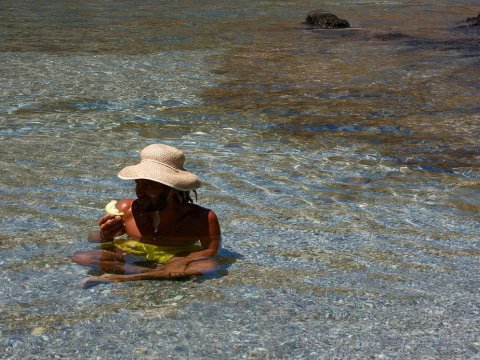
(473, 21)
(470, 22)
(326, 20)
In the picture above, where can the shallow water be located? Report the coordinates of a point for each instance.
(343, 165)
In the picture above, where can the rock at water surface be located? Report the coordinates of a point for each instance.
(470, 22)
(474, 21)
(326, 20)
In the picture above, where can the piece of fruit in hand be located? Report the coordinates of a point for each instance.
(111, 208)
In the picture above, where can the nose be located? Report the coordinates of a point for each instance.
(139, 187)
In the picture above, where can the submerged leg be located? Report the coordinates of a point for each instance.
(107, 261)
(180, 267)
(175, 268)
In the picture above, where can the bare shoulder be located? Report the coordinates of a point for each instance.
(125, 205)
(212, 217)
(213, 225)
(197, 210)
(203, 215)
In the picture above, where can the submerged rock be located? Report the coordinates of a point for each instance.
(326, 20)
(393, 35)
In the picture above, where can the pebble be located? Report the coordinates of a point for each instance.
(39, 330)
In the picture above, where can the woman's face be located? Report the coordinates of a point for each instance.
(151, 195)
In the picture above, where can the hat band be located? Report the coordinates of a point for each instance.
(161, 163)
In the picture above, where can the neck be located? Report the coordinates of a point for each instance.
(166, 214)
(162, 219)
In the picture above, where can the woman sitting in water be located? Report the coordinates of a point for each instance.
(162, 225)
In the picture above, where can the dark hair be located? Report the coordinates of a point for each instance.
(185, 195)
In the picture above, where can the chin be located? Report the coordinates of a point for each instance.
(144, 204)
(149, 206)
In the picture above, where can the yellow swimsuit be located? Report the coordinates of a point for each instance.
(156, 253)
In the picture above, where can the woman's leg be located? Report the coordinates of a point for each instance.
(107, 261)
(177, 267)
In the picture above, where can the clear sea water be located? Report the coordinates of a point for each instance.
(343, 165)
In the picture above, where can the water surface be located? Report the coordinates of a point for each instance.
(343, 165)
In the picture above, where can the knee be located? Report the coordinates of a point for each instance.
(81, 258)
(202, 266)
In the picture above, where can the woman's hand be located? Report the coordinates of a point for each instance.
(110, 227)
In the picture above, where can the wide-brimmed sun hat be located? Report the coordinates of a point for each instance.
(163, 164)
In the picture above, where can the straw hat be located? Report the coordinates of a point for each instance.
(163, 164)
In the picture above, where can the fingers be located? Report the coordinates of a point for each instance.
(112, 223)
(105, 218)
(111, 226)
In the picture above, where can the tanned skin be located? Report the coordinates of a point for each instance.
(180, 224)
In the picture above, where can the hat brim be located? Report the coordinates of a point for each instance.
(178, 179)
